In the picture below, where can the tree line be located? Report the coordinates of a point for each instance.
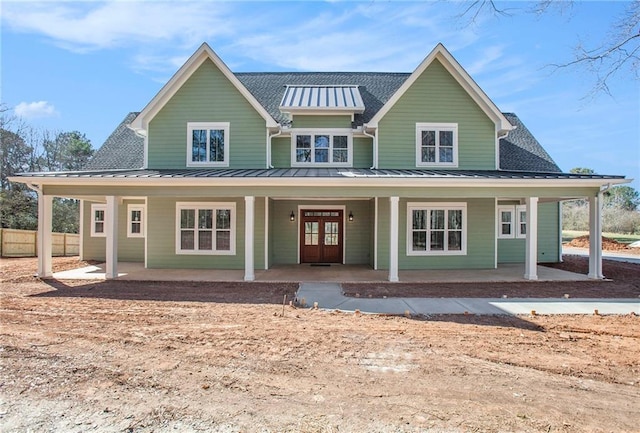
(24, 148)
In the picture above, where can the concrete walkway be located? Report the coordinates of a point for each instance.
(329, 296)
(618, 256)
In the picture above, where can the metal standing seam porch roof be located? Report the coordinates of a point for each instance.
(330, 98)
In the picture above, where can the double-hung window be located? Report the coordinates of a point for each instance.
(207, 144)
(205, 228)
(512, 222)
(135, 220)
(330, 147)
(436, 229)
(436, 144)
(98, 214)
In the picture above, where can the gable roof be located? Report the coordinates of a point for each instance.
(522, 152)
(441, 54)
(141, 123)
(123, 149)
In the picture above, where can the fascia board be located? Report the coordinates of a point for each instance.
(141, 122)
(319, 182)
(460, 75)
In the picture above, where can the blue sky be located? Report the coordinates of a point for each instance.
(84, 65)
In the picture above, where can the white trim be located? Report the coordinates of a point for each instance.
(111, 231)
(81, 231)
(325, 207)
(208, 126)
(44, 239)
(207, 205)
(295, 132)
(146, 238)
(511, 210)
(495, 235)
(595, 237)
(94, 208)
(460, 75)
(146, 152)
(437, 127)
(518, 228)
(429, 206)
(375, 234)
(141, 123)
(143, 228)
(266, 233)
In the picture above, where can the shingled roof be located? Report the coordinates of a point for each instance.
(519, 151)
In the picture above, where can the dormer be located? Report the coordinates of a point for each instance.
(321, 100)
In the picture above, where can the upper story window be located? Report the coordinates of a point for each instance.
(207, 144)
(436, 144)
(321, 148)
(512, 221)
(98, 213)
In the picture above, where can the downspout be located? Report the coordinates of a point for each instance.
(375, 146)
(270, 136)
(498, 138)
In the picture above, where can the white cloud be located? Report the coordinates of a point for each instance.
(32, 110)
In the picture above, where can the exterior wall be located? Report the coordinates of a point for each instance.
(161, 231)
(549, 249)
(284, 241)
(281, 152)
(94, 248)
(451, 104)
(207, 97)
(321, 121)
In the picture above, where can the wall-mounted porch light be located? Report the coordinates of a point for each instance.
(350, 216)
(292, 216)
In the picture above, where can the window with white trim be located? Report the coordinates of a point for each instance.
(436, 144)
(98, 215)
(135, 221)
(208, 144)
(436, 229)
(512, 221)
(205, 228)
(321, 147)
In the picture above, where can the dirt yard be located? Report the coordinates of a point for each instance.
(142, 357)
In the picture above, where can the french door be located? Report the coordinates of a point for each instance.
(321, 236)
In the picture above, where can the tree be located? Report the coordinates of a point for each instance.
(68, 151)
(617, 53)
(582, 170)
(622, 197)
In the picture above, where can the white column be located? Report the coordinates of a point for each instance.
(249, 211)
(111, 231)
(45, 206)
(531, 253)
(595, 237)
(393, 239)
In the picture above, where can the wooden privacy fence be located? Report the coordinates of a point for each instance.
(23, 243)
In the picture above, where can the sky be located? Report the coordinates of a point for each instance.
(83, 66)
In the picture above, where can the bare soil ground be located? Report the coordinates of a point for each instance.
(142, 357)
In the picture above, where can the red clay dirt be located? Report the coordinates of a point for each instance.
(122, 357)
(608, 244)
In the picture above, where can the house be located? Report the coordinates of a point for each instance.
(394, 171)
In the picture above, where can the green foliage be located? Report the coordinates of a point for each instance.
(582, 170)
(67, 151)
(18, 208)
(66, 215)
(622, 197)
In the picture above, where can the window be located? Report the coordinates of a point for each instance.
(205, 228)
(436, 144)
(135, 221)
(321, 148)
(436, 229)
(512, 222)
(208, 144)
(98, 213)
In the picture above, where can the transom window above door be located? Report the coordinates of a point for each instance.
(321, 148)
(208, 144)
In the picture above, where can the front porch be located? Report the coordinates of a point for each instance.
(307, 273)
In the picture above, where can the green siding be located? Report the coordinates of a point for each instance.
(362, 152)
(94, 248)
(436, 97)
(207, 96)
(283, 240)
(513, 250)
(321, 121)
(281, 152)
(161, 242)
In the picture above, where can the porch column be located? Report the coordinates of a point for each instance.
(249, 207)
(595, 237)
(45, 206)
(393, 239)
(531, 253)
(111, 231)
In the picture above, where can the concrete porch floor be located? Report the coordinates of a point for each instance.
(307, 273)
